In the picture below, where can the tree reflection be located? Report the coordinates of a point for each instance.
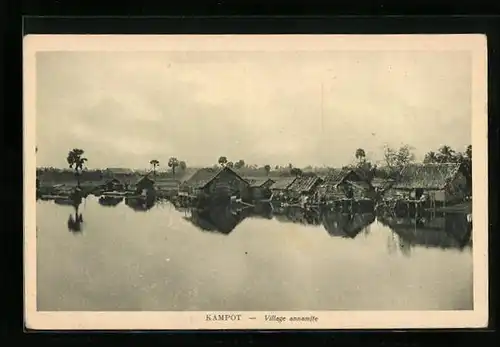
(75, 222)
(445, 231)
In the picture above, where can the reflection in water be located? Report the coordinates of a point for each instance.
(298, 215)
(219, 218)
(140, 204)
(75, 222)
(346, 225)
(110, 201)
(430, 231)
(171, 265)
(263, 210)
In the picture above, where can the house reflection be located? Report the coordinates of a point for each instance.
(445, 231)
(140, 204)
(263, 210)
(110, 201)
(298, 215)
(218, 218)
(75, 222)
(346, 225)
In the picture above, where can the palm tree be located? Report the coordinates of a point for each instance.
(155, 164)
(431, 157)
(360, 154)
(76, 161)
(267, 168)
(468, 152)
(446, 154)
(173, 163)
(239, 164)
(222, 161)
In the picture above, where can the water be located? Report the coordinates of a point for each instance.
(118, 258)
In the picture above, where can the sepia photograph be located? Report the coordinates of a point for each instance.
(255, 182)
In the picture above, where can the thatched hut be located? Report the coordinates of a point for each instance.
(346, 189)
(435, 184)
(211, 182)
(258, 189)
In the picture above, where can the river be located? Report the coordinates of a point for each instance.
(116, 258)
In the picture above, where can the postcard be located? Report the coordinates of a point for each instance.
(204, 182)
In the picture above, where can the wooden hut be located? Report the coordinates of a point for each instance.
(145, 185)
(430, 184)
(280, 187)
(381, 184)
(259, 189)
(305, 186)
(346, 189)
(113, 184)
(215, 182)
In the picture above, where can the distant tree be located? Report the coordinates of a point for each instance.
(76, 162)
(277, 167)
(467, 163)
(360, 154)
(230, 164)
(446, 154)
(430, 157)
(397, 159)
(182, 165)
(296, 172)
(290, 166)
(222, 161)
(155, 163)
(268, 169)
(173, 163)
(239, 164)
(468, 152)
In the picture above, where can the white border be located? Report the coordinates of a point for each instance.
(474, 43)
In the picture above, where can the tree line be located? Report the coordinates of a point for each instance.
(395, 159)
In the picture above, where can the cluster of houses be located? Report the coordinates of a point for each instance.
(432, 185)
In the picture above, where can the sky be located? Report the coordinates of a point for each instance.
(265, 107)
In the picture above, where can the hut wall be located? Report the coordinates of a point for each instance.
(227, 183)
(145, 184)
(437, 195)
(456, 190)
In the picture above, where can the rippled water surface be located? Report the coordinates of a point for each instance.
(106, 258)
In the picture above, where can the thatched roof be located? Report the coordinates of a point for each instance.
(283, 183)
(378, 182)
(256, 182)
(204, 176)
(304, 184)
(427, 176)
(145, 178)
(335, 176)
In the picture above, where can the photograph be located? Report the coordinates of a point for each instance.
(255, 181)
